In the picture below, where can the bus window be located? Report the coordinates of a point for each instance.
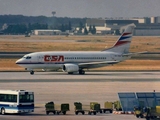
(26, 98)
(8, 98)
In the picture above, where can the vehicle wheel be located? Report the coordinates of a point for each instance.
(32, 72)
(147, 118)
(47, 113)
(141, 116)
(64, 112)
(110, 111)
(82, 72)
(76, 113)
(83, 113)
(101, 111)
(89, 113)
(70, 72)
(54, 112)
(3, 111)
(57, 113)
(153, 117)
(137, 116)
(94, 113)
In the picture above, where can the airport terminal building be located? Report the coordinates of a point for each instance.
(144, 26)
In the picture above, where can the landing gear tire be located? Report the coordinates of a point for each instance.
(81, 72)
(70, 72)
(3, 111)
(32, 72)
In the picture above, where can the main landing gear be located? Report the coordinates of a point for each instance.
(81, 72)
(32, 72)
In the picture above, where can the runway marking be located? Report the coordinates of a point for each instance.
(80, 80)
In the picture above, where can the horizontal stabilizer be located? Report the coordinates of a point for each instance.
(130, 54)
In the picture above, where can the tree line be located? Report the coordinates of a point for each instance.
(19, 24)
(23, 28)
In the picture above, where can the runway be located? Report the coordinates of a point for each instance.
(89, 76)
(91, 87)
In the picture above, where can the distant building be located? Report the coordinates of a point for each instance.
(101, 30)
(96, 22)
(120, 22)
(47, 32)
(144, 26)
(155, 19)
(145, 20)
(99, 24)
(116, 25)
(147, 30)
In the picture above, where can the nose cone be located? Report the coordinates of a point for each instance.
(18, 61)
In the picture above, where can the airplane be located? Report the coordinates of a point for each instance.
(77, 61)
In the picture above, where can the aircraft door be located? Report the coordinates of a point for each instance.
(113, 57)
(39, 59)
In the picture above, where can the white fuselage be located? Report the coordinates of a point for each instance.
(55, 60)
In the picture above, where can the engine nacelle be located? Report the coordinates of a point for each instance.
(70, 68)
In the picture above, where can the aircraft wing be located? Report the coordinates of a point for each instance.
(94, 64)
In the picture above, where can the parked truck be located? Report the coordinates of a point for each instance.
(93, 108)
(56, 109)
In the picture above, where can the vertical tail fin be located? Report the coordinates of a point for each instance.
(123, 43)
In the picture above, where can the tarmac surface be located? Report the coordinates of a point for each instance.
(91, 87)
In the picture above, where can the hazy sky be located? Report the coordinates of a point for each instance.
(82, 8)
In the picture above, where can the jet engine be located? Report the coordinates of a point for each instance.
(70, 68)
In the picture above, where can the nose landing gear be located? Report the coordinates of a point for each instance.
(32, 72)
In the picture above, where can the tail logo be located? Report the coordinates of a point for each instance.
(124, 39)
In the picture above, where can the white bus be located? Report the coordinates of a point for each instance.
(16, 101)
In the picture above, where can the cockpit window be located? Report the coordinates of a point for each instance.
(27, 57)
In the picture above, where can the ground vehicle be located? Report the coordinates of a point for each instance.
(117, 106)
(16, 101)
(138, 111)
(108, 106)
(92, 108)
(152, 113)
(56, 109)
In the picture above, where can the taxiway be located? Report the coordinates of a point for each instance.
(91, 87)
